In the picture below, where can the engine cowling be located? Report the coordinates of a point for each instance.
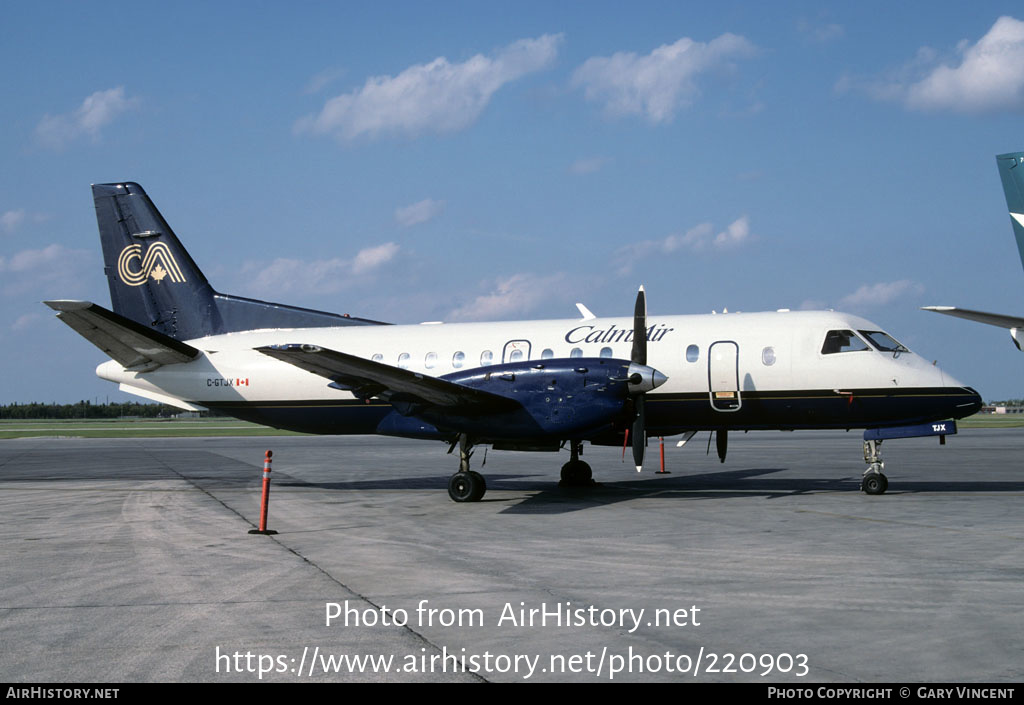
(558, 398)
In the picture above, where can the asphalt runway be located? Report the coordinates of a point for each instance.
(129, 561)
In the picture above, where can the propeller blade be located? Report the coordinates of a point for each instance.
(639, 353)
(639, 434)
(721, 443)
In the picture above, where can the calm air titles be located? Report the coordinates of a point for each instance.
(612, 334)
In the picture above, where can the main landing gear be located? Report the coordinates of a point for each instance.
(874, 482)
(576, 473)
(469, 486)
(466, 485)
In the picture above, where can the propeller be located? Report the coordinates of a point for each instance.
(639, 353)
(642, 378)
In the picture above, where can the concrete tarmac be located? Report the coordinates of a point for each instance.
(129, 561)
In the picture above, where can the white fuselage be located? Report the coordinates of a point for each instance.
(770, 352)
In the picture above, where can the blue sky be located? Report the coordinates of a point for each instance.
(485, 161)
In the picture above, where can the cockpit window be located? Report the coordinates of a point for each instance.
(882, 341)
(840, 341)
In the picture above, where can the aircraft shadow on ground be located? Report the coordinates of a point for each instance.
(549, 498)
(541, 492)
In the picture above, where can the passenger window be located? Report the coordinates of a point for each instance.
(377, 357)
(430, 360)
(486, 357)
(457, 359)
(515, 356)
(606, 352)
(692, 353)
(768, 356)
(547, 354)
(403, 360)
(576, 352)
(840, 341)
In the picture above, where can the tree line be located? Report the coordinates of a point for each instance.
(87, 410)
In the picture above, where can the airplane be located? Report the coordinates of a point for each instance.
(1011, 172)
(522, 385)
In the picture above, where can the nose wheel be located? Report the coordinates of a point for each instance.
(874, 482)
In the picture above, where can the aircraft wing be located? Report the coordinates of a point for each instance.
(368, 378)
(122, 339)
(993, 319)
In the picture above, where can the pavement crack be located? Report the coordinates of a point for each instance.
(275, 538)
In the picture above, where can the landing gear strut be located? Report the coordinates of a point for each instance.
(874, 482)
(466, 485)
(576, 473)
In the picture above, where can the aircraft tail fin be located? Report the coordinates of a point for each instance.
(152, 279)
(1011, 171)
(155, 282)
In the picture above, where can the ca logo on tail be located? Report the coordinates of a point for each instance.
(157, 265)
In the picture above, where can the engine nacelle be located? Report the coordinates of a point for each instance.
(559, 398)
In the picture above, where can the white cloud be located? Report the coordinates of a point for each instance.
(95, 112)
(820, 33)
(321, 80)
(880, 294)
(812, 305)
(700, 238)
(659, 83)
(41, 270)
(286, 275)
(893, 85)
(734, 235)
(35, 260)
(588, 166)
(370, 258)
(25, 322)
(511, 296)
(11, 220)
(437, 97)
(419, 212)
(696, 238)
(988, 76)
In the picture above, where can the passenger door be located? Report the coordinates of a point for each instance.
(724, 376)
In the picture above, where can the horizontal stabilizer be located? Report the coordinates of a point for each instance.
(124, 340)
(993, 319)
(160, 398)
(367, 378)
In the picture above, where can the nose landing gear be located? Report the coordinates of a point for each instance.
(874, 482)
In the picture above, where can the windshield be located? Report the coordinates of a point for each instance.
(883, 342)
(840, 341)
